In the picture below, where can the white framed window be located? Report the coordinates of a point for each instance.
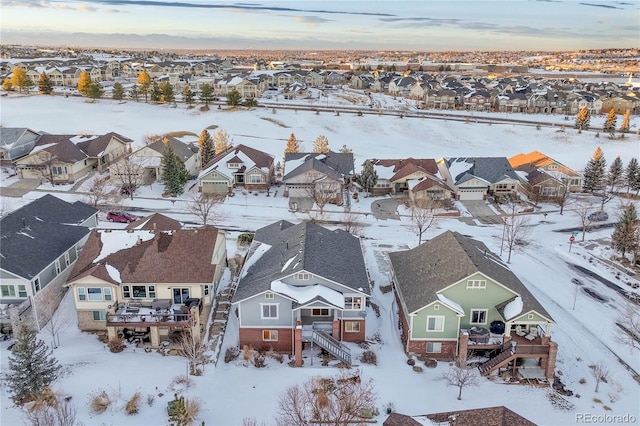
(478, 316)
(435, 323)
(82, 294)
(530, 316)
(320, 312)
(553, 167)
(36, 284)
(7, 290)
(94, 293)
(269, 295)
(99, 315)
(477, 284)
(270, 335)
(269, 311)
(353, 303)
(233, 165)
(256, 179)
(126, 291)
(303, 276)
(152, 291)
(22, 290)
(352, 326)
(107, 294)
(434, 347)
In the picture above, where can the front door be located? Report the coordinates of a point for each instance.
(180, 295)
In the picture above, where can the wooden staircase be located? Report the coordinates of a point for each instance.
(507, 354)
(331, 345)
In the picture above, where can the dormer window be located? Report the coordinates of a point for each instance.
(233, 165)
(303, 275)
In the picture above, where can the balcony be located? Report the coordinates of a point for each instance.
(166, 315)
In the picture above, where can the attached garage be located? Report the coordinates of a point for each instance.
(471, 194)
(214, 187)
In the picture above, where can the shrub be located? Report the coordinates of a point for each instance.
(376, 309)
(231, 353)
(99, 402)
(133, 405)
(417, 369)
(245, 238)
(275, 355)
(116, 345)
(597, 400)
(369, 357)
(583, 381)
(247, 352)
(411, 362)
(259, 360)
(386, 288)
(181, 383)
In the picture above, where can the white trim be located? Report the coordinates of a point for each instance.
(262, 305)
(486, 315)
(441, 330)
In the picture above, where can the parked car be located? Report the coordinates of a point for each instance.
(122, 217)
(598, 216)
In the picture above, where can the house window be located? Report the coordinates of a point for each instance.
(206, 290)
(352, 326)
(436, 307)
(269, 295)
(549, 191)
(256, 179)
(477, 284)
(94, 293)
(8, 291)
(530, 316)
(574, 182)
(270, 311)
(434, 347)
(139, 291)
(303, 275)
(553, 167)
(353, 303)
(382, 185)
(270, 335)
(107, 293)
(435, 323)
(57, 170)
(99, 315)
(233, 165)
(82, 295)
(22, 290)
(320, 312)
(478, 316)
(36, 284)
(501, 187)
(57, 267)
(126, 291)
(152, 291)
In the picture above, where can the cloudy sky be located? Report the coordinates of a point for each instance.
(356, 24)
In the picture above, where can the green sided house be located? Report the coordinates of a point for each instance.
(457, 300)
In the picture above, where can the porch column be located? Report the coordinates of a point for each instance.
(195, 320)
(550, 367)
(336, 328)
(463, 346)
(298, 344)
(111, 333)
(155, 337)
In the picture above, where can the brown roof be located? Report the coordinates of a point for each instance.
(179, 256)
(396, 419)
(260, 159)
(429, 182)
(96, 146)
(411, 164)
(492, 416)
(155, 222)
(61, 147)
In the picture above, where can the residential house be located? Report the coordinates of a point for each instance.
(456, 297)
(489, 416)
(569, 177)
(538, 185)
(310, 174)
(394, 175)
(65, 158)
(240, 165)
(300, 284)
(16, 142)
(147, 283)
(40, 244)
(476, 177)
(155, 222)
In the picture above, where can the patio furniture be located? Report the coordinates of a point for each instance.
(479, 335)
(530, 337)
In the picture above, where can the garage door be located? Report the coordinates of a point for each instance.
(214, 187)
(472, 194)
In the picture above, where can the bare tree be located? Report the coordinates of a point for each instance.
(600, 372)
(582, 209)
(629, 324)
(129, 172)
(351, 222)
(204, 206)
(562, 197)
(422, 217)
(514, 231)
(337, 400)
(461, 377)
(58, 322)
(150, 138)
(99, 192)
(322, 192)
(44, 166)
(60, 413)
(193, 349)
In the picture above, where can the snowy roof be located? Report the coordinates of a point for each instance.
(304, 294)
(513, 308)
(116, 241)
(450, 303)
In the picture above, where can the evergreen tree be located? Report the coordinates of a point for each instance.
(594, 173)
(155, 93)
(582, 119)
(83, 83)
(7, 84)
(206, 94)
(174, 172)
(187, 94)
(94, 90)
(624, 126)
(293, 145)
(610, 123)
(234, 97)
(144, 81)
(221, 142)
(166, 91)
(117, 92)
(631, 173)
(345, 150)
(134, 92)
(207, 150)
(368, 177)
(321, 144)
(45, 85)
(20, 79)
(31, 369)
(251, 103)
(177, 411)
(623, 238)
(614, 176)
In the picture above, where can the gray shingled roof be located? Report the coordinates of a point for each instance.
(335, 255)
(491, 169)
(450, 257)
(181, 149)
(35, 235)
(339, 162)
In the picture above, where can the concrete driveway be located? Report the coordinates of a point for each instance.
(20, 188)
(481, 211)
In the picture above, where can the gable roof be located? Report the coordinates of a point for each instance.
(34, 236)
(181, 149)
(155, 222)
(246, 155)
(491, 169)
(61, 147)
(498, 416)
(11, 135)
(334, 164)
(283, 248)
(96, 146)
(446, 259)
(141, 256)
(404, 167)
(538, 159)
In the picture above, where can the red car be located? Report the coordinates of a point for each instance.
(122, 217)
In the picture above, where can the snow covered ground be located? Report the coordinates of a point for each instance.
(232, 392)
